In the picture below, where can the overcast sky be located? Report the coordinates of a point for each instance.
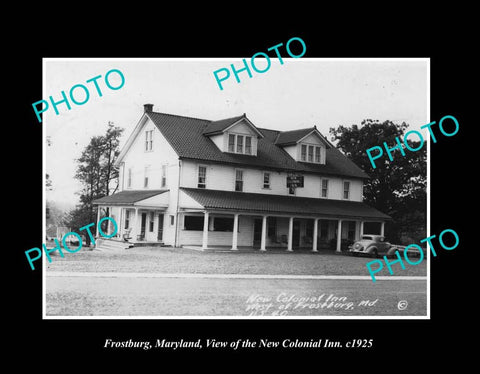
(300, 93)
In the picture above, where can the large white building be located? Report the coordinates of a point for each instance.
(194, 182)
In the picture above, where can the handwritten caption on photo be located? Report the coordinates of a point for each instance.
(284, 304)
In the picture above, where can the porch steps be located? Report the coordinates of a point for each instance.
(104, 244)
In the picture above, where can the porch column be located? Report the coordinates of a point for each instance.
(98, 220)
(109, 223)
(264, 234)
(315, 234)
(361, 229)
(120, 223)
(382, 229)
(134, 227)
(290, 234)
(205, 231)
(235, 232)
(339, 236)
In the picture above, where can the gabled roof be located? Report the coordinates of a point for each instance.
(187, 138)
(293, 136)
(128, 197)
(266, 203)
(217, 127)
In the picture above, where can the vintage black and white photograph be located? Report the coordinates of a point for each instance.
(236, 188)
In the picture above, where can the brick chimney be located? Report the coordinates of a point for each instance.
(148, 108)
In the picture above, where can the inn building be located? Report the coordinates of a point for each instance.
(190, 182)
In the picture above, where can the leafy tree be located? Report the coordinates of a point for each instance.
(97, 173)
(398, 187)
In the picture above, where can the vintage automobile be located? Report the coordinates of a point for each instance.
(376, 245)
(373, 245)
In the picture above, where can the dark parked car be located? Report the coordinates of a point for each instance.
(376, 245)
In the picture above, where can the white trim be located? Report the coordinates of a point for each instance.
(254, 128)
(308, 145)
(322, 138)
(143, 120)
(253, 150)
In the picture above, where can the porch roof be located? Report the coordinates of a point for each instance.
(264, 203)
(128, 197)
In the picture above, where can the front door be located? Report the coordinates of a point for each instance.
(160, 228)
(142, 228)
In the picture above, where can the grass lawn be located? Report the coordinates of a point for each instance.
(180, 260)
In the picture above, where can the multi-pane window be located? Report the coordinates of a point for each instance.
(239, 180)
(310, 153)
(240, 144)
(148, 140)
(266, 180)
(202, 177)
(317, 155)
(231, 143)
(346, 190)
(164, 175)
(304, 153)
(324, 188)
(248, 145)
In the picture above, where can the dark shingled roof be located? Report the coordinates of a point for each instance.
(128, 197)
(265, 203)
(218, 126)
(186, 136)
(292, 136)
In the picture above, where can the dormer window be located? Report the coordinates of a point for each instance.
(304, 145)
(231, 143)
(238, 143)
(234, 135)
(248, 145)
(310, 153)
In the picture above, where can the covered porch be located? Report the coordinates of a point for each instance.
(139, 215)
(224, 219)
